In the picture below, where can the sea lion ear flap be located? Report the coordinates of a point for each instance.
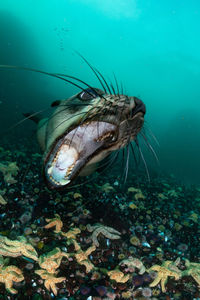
(55, 103)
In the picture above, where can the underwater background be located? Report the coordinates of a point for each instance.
(102, 239)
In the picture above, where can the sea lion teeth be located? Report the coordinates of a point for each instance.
(69, 170)
(103, 137)
(64, 181)
(49, 171)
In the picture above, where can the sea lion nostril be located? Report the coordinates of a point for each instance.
(140, 106)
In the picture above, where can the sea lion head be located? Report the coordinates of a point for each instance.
(86, 128)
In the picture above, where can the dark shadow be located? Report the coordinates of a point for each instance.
(19, 91)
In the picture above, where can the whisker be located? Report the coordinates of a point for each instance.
(79, 80)
(122, 164)
(25, 119)
(104, 81)
(127, 163)
(116, 84)
(85, 118)
(66, 106)
(133, 152)
(91, 179)
(151, 133)
(143, 159)
(112, 87)
(113, 159)
(45, 73)
(93, 70)
(122, 88)
(67, 120)
(150, 147)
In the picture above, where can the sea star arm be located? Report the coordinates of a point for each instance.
(155, 282)
(54, 222)
(196, 277)
(163, 283)
(50, 284)
(9, 288)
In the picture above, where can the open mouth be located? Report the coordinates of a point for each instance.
(73, 151)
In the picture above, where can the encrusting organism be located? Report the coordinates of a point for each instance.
(107, 231)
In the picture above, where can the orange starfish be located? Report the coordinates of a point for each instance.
(50, 280)
(54, 222)
(52, 260)
(71, 234)
(82, 256)
(10, 274)
(16, 248)
(118, 276)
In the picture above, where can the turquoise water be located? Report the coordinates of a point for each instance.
(152, 46)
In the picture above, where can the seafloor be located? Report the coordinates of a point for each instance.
(109, 241)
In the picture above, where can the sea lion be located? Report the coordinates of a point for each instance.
(84, 129)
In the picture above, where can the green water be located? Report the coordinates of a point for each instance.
(152, 46)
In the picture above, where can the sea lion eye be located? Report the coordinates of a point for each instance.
(89, 94)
